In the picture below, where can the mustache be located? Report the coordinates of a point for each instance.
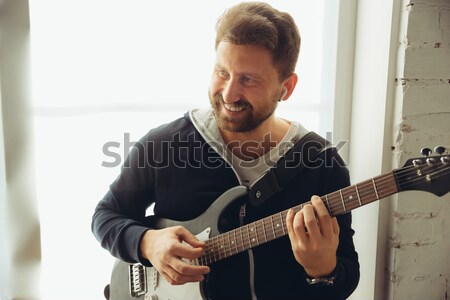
(218, 98)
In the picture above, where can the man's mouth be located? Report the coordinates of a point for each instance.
(234, 107)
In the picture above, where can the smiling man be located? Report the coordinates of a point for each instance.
(233, 144)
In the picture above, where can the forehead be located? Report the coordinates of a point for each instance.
(245, 59)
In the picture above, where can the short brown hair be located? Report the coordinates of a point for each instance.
(259, 24)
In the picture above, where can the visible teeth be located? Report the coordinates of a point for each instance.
(233, 107)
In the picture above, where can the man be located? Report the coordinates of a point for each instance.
(183, 166)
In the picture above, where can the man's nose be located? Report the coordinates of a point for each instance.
(232, 91)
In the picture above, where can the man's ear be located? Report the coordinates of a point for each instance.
(284, 92)
(289, 86)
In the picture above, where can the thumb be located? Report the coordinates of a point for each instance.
(187, 237)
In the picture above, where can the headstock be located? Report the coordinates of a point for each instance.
(428, 173)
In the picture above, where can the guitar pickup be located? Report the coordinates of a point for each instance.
(137, 280)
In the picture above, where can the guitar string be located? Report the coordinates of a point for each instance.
(381, 190)
(424, 167)
(366, 188)
(258, 232)
(434, 175)
(382, 180)
(217, 239)
(437, 162)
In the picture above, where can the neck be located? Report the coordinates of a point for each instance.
(255, 143)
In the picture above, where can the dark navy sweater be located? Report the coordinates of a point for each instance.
(173, 167)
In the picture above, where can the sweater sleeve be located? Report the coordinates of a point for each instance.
(118, 219)
(335, 176)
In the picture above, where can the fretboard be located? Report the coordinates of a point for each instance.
(272, 227)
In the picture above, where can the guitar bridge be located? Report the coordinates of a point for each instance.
(137, 280)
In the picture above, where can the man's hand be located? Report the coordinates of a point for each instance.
(314, 238)
(165, 249)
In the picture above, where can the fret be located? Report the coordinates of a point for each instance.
(235, 241)
(251, 231)
(246, 241)
(227, 244)
(204, 260)
(375, 188)
(277, 226)
(242, 239)
(206, 252)
(273, 227)
(255, 229)
(248, 236)
(212, 252)
(282, 223)
(357, 193)
(328, 202)
(223, 247)
(342, 199)
(231, 243)
(264, 231)
(350, 198)
(222, 251)
(269, 228)
(389, 185)
(219, 246)
(210, 258)
(200, 260)
(215, 249)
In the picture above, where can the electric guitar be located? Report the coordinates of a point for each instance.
(134, 281)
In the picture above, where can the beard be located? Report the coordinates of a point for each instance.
(249, 119)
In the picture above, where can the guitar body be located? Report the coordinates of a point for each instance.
(153, 284)
(134, 281)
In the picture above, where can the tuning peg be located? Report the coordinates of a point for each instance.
(439, 150)
(445, 160)
(425, 151)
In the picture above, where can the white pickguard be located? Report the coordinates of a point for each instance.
(159, 289)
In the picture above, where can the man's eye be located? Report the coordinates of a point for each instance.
(248, 81)
(222, 73)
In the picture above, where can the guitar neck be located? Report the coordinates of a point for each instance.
(272, 227)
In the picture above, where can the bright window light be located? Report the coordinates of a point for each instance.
(108, 71)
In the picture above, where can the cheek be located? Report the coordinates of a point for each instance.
(217, 84)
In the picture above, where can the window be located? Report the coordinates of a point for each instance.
(108, 71)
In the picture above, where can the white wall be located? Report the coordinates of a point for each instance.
(419, 244)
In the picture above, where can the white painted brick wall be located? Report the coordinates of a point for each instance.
(420, 233)
(427, 63)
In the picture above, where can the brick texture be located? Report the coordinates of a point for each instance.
(419, 244)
